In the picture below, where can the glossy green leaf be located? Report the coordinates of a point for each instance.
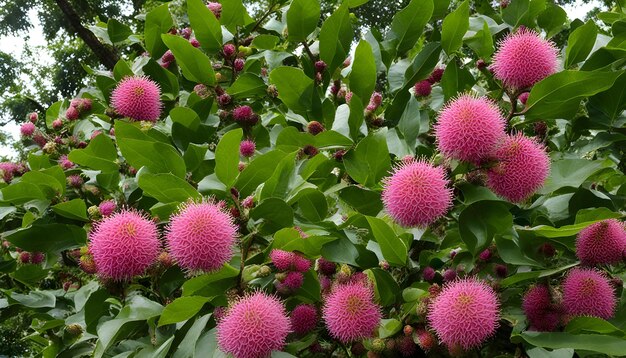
(481, 221)
(73, 209)
(570, 173)
(552, 20)
(335, 38)
(227, 157)
(195, 64)
(302, 19)
(247, 85)
(158, 21)
(50, 238)
(407, 24)
(363, 75)
(393, 248)
(205, 26)
(369, 161)
(295, 88)
(274, 214)
(258, 171)
(609, 345)
(454, 27)
(182, 309)
(100, 154)
(580, 43)
(167, 188)
(234, 14)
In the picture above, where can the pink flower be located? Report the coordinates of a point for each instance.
(8, 170)
(293, 280)
(301, 264)
(326, 267)
(216, 8)
(587, 292)
(541, 313)
(72, 114)
(315, 127)
(303, 319)
(254, 326)
(57, 123)
(27, 129)
(416, 194)
(107, 207)
(65, 163)
(282, 259)
(464, 314)
(523, 166)
(33, 117)
(523, 59)
(244, 115)
(138, 98)
(124, 245)
(201, 236)
(75, 181)
(423, 88)
(469, 128)
(601, 243)
(229, 50)
(428, 274)
(436, 75)
(247, 148)
(350, 312)
(523, 97)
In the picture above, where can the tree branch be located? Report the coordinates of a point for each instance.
(105, 54)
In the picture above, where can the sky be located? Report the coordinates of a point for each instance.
(16, 46)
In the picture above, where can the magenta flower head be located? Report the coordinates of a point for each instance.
(416, 194)
(469, 128)
(201, 236)
(124, 245)
(423, 88)
(216, 8)
(601, 243)
(253, 327)
(293, 280)
(303, 319)
(247, 148)
(283, 260)
(588, 292)
(244, 115)
(350, 312)
(27, 129)
(523, 166)
(65, 163)
(138, 98)
(464, 314)
(542, 314)
(107, 207)
(523, 59)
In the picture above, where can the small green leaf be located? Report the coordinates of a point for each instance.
(234, 14)
(369, 161)
(408, 23)
(363, 75)
(335, 38)
(118, 31)
(205, 26)
(302, 19)
(393, 248)
(158, 21)
(247, 85)
(295, 88)
(100, 154)
(48, 237)
(552, 20)
(481, 221)
(604, 344)
(182, 309)
(570, 173)
(275, 213)
(195, 64)
(73, 209)
(227, 157)
(580, 43)
(454, 27)
(167, 188)
(258, 171)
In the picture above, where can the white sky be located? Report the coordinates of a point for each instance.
(16, 46)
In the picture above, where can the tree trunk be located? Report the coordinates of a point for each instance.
(107, 56)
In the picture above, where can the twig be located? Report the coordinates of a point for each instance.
(267, 13)
(308, 51)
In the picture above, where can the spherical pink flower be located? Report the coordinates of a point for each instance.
(375, 101)
(138, 98)
(72, 113)
(216, 8)
(423, 88)
(244, 115)
(485, 255)
(57, 123)
(523, 166)
(523, 59)
(8, 170)
(436, 75)
(33, 117)
(229, 50)
(301, 264)
(406, 346)
(293, 280)
(449, 275)
(124, 245)
(27, 129)
(303, 319)
(416, 194)
(247, 148)
(469, 128)
(428, 274)
(194, 43)
(254, 326)
(541, 313)
(587, 292)
(65, 163)
(75, 181)
(168, 57)
(107, 207)
(283, 260)
(315, 127)
(601, 243)
(465, 313)
(350, 312)
(201, 236)
(326, 267)
(238, 64)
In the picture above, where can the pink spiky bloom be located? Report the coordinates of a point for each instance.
(8, 170)
(57, 123)
(416, 194)
(243, 114)
(301, 264)
(406, 346)
(423, 88)
(27, 129)
(283, 260)
(303, 319)
(350, 312)
(601, 243)
(464, 314)
(293, 280)
(65, 163)
(254, 326)
(588, 292)
(201, 236)
(138, 98)
(469, 128)
(247, 148)
(216, 8)
(124, 245)
(326, 267)
(523, 166)
(523, 59)
(541, 313)
(107, 207)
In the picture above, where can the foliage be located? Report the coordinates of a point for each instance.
(330, 117)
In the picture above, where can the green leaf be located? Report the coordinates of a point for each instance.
(34, 299)
(389, 327)
(73, 209)
(456, 80)
(523, 12)
(313, 206)
(302, 19)
(265, 42)
(612, 102)
(195, 64)
(100, 154)
(158, 21)
(393, 248)
(234, 14)
(559, 95)
(552, 20)
(182, 309)
(211, 284)
(408, 23)
(481, 42)
(289, 239)
(345, 252)
(454, 27)
(186, 127)
(335, 38)
(363, 75)
(481, 221)
(247, 85)
(140, 150)
(592, 325)
(531, 275)
(511, 253)
(258, 171)
(167, 188)
(205, 26)
(49, 238)
(570, 173)
(310, 290)
(613, 346)
(227, 157)
(30, 274)
(580, 43)
(369, 161)
(52, 113)
(365, 201)
(295, 88)
(20, 193)
(118, 31)
(166, 79)
(386, 287)
(275, 213)
(187, 346)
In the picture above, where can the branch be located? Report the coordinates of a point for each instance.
(267, 13)
(308, 51)
(106, 55)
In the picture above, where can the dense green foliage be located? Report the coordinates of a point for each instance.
(318, 194)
